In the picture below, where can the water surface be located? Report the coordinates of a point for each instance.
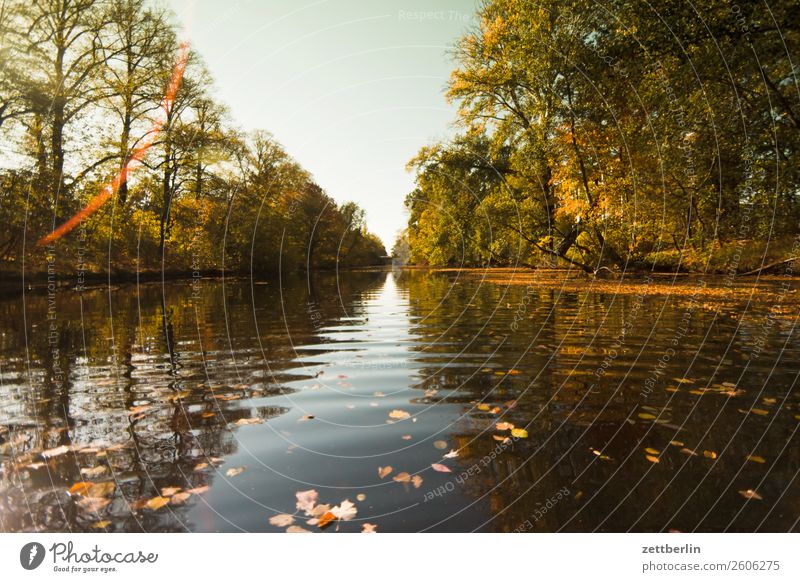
(207, 405)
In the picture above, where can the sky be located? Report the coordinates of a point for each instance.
(351, 88)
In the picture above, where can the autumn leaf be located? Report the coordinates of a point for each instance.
(326, 519)
(384, 471)
(676, 443)
(281, 520)
(759, 411)
(103, 489)
(502, 439)
(198, 490)
(504, 426)
(80, 488)
(101, 524)
(246, 421)
(710, 454)
(756, 459)
(402, 477)
(169, 491)
(416, 481)
(406, 437)
(345, 511)
(368, 528)
(233, 471)
(451, 455)
(180, 498)
(652, 451)
(441, 445)
(305, 417)
(157, 503)
(483, 407)
(750, 494)
(646, 416)
(306, 500)
(200, 466)
(56, 451)
(519, 433)
(689, 452)
(399, 414)
(652, 459)
(360, 497)
(296, 529)
(441, 468)
(93, 471)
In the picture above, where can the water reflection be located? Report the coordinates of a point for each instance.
(206, 406)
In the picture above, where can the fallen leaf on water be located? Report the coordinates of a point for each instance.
(360, 497)
(93, 471)
(233, 471)
(402, 477)
(441, 468)
(80, 488)
(451, 455)
(770, 400)
(756, 459)
(306, 417)
(514, 372)
(759, 411)
(368, 528)
(750, 494)
(652, 451)
(399, 414)
(93, 504)
(326, 519)
(156, 503)
(502, 439)
(483, 407)
(652, 459)
(345, 511)
(56, 451)
(103, 489)
(296, 529)
(281, 520)
(246, 421)
(200, 466)
(306, 500)
(416, 481)
(101, 524)
(169, 491)
(198, 490)
(179, 498)
(504, 426)
(441, 445)
(406, 437)
(676, 443)
(690, 452)
(519, 433)
(710, 454)
(384, 471)
(646, 416)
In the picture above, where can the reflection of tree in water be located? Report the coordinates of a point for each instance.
(588, 431)
(150, 403)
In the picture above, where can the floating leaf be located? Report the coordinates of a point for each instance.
(93, 504)
(519, 433)
(710, 454)
(360, 497)
(399, 414)
(296, 529)
(56, 451)
(451, 455)
(750, 494)
(103, 489)
(384, 471)
(759, 411)
(441, 468)
(441, 445)
(306, 500)
(198, 490)
(157, 503)
(246, 421)
(345, 511)
(504, 426)
(676, 443)
(326, 519)
(93, 471)
(514, 372)
(180, 498)
(502, 439)
(169, 491)
(652, 458)
(756, 459)
(402, 477)
(652, 451)
(416, 481)
(233, 471)
(690, 452)
(305, 417)
(200, 466)
(281, 520)
(483, 407)
(368, 528)
(80, 488)
(406, 437)
(646, 416)
(101, 524)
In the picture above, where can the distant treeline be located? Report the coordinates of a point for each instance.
(619, 135)
(82, 85)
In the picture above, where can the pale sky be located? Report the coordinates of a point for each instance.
(351, 88)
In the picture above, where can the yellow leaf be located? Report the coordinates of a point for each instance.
(646, 416)
(402, 477)
(710, 454)
(157, 503)
(233, 471)
(519, 433)
(756, 459)
(652, 451)
(483, 407)
(652, 459)
(101, 524)
(384, 471)
(759, 411)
